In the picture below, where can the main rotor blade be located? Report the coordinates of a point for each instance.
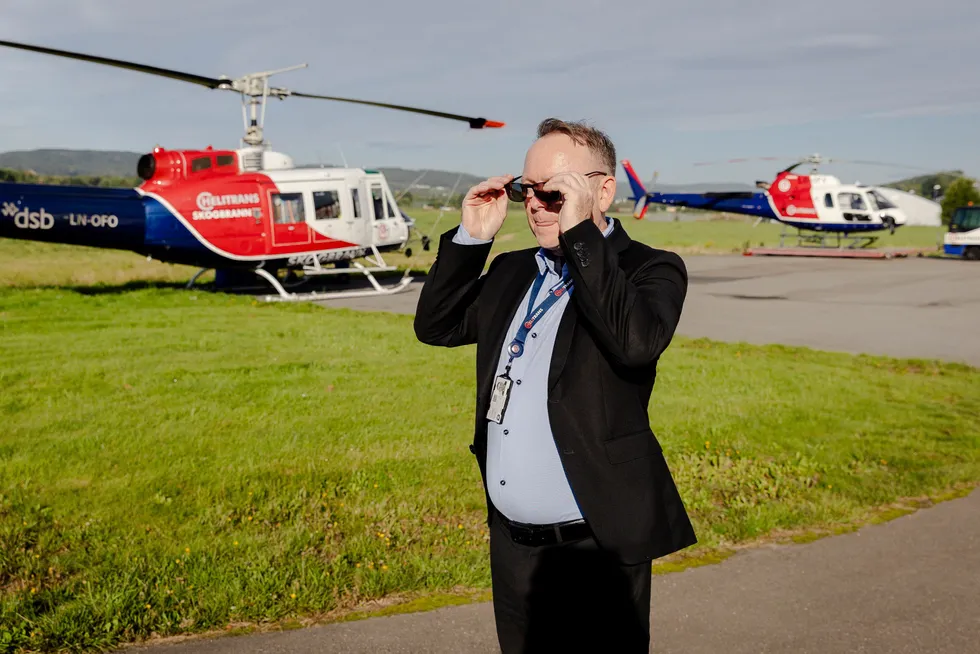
(740, 160)
(878, 163)
(475, 123)
(210, 82)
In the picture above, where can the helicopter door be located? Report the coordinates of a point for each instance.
(385, 213)
(853, 207)
(331, 219)
(356, 222)
(289, 219)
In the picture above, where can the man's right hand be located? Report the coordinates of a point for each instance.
(485, 208)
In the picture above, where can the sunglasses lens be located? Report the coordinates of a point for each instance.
(518, 192)
(548, 197)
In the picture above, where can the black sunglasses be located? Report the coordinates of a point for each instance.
(518, 192)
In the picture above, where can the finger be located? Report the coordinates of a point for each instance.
(499, 182)
(563, 182)
(480, 189)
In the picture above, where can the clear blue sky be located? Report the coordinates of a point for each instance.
(700, 80)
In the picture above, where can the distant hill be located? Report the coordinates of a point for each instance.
(923, 184)
(433, 183)
(72, 163)
(83, 163)
(431, 180)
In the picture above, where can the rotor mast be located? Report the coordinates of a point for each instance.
(255, 91)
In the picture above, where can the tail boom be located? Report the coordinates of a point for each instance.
(75, 215)
(739, 202)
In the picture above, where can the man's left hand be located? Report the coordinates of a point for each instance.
(578, 200)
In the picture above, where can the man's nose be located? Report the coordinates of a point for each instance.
(534, 202)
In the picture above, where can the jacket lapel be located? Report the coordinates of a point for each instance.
(563, 341)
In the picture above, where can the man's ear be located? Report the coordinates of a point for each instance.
(607, 193)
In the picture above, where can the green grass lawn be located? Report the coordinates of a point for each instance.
(176, 462)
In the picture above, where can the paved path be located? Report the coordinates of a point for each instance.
(907, 586)
(900, 307)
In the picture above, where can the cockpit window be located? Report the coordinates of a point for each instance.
(880, 200)
(201, 163)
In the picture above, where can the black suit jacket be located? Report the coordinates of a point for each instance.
(623, 312)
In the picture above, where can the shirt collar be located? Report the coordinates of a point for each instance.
(548, 261)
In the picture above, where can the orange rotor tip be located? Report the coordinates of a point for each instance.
(494, 123)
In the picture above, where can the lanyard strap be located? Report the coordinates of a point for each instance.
(516, 347)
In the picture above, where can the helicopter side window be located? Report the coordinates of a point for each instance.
(828, 201)
(199, 164)
(226, 160)
(379, 203)
(356, 199)
(390, 205)
(287, 208)
(326, 205)
(852, 201)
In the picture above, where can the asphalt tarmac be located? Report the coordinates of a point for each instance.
(912, 307)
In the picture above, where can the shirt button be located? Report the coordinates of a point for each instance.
(534, 335)
(506, 431)
(503, 483)
(518, 382)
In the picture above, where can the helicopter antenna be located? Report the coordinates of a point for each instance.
(342, 157)
(448, 198)
(410, 186)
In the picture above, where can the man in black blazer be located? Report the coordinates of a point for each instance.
(568, 335)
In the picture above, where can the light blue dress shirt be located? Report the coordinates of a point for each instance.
(525, 478)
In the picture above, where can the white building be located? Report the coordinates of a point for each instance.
(919, 210)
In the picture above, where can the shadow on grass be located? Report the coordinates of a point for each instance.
(352, 281)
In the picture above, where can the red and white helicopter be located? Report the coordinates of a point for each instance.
(815, 203)
(233, 210)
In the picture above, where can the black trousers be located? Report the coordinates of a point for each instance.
(567, 597)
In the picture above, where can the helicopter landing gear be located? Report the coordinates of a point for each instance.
(196, 275)
(376, 264)
(820, 240)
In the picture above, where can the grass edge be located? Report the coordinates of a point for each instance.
(421, 601)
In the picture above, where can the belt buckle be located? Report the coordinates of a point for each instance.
(557, 529)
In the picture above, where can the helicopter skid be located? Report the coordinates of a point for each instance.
(315, 296)
(838, 241)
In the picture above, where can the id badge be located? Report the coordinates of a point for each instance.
(499, 398)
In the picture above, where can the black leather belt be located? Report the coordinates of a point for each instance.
(546, 534)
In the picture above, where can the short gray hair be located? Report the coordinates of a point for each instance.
(583, 134)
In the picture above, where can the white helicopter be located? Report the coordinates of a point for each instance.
(815, 203)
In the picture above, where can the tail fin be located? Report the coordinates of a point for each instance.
(639, 192)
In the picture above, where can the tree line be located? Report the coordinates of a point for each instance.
(31, 177)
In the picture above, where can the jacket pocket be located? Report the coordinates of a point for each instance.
(632, 446)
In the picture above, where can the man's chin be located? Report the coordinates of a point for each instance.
(546, 234)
